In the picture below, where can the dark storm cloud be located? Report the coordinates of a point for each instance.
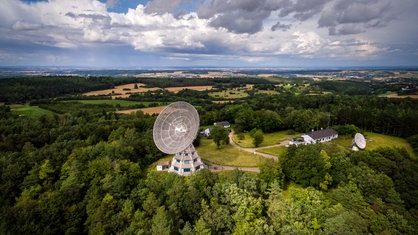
(247, 16)
(240, 16)
(339, 16)
(280, 26)
(303, 9)
(351, 17)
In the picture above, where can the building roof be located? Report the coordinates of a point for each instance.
(163, 164)
(223, 123)
(322, 133)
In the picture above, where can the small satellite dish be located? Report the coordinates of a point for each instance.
(174, 132)
(359, 141)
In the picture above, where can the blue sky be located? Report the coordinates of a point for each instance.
(220, 33)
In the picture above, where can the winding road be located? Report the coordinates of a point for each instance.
(214, 167)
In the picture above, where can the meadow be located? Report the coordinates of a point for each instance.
(277, 151)
(115, 102)
(375, 140)
(229, 94)
(227, 155)
(269, 139)
(28, 110)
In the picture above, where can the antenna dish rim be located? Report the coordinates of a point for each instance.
(360, 141)
(176, 127)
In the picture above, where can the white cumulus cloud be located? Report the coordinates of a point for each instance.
(250, 31)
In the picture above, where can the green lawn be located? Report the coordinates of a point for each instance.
(227, 155)
(30, 110)
(229, 94)
(287, 87)
(375, 141)
(275, 151)
(121, 103)
(269, 139)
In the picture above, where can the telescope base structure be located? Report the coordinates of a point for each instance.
(186, 162)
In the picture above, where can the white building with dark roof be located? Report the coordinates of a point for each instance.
(320, 136)
(224, 124)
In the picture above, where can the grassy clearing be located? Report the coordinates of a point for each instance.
(268, 92)
(287, 87)
(375, 141)
(153, 166)
(269, 139)
(27, 110)
(275, 151)
(229, 94)
(195, 88)
(150, 110)
(227, 155)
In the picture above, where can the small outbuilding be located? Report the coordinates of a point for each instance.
(224, 124)
(163, 166)
(206, 132)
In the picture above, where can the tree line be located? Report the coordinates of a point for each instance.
(398, 117)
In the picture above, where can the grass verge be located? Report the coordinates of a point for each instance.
(275, 151)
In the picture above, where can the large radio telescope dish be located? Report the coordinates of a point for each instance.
(176, 127)
(360, 141)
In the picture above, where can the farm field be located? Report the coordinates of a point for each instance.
(196, 88)
(113, 102)
(394, 95)
(229, 94)
(150, 110)
(121, 91)
(269, 139)
(222, 101)
(227, 155)
(28, 110)
(124, 91)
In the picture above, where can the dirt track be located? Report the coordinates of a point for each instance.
(254, 150)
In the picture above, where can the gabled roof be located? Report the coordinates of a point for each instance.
(223, 123)
(322, 133)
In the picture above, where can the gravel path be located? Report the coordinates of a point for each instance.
(254, 150)
(216, 168)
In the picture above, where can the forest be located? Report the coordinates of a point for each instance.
(88, 170)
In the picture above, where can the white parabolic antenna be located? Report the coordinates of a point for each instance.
(174, 132)
(360, 141)
(176, 127)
